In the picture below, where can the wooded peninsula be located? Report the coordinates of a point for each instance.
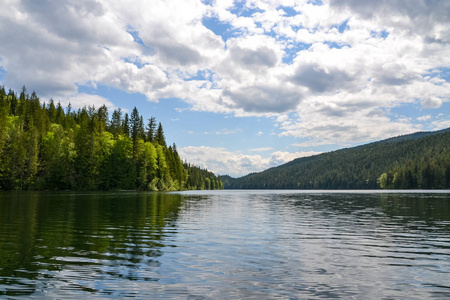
(46, 147)
(416, 161)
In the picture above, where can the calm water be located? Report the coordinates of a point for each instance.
(225, 245)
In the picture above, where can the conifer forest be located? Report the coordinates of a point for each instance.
(44, 146)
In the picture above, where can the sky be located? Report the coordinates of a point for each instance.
(240, 86)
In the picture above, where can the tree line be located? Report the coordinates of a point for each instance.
(430, 170)
(418, 161)
(46, 147)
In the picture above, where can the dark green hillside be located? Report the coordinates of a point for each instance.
(46, 147)
(420, 160)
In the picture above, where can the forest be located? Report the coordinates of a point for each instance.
(416, 161)
(44, 146)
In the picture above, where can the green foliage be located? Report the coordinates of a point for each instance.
(202, 179)
(151, 130)
(420, 160)
(45, 148)
(159, 136)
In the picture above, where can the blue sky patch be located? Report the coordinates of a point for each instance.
(135, 34)
(220, 28)
(290, 12)
(336, 45)
(344, 26)
(443, 73)
(133, 61)
(201, 75)
(291, 52)
(241, 10)
(316, 2)
(379, 34)
(419, 114)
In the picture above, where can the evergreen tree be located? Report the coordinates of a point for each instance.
(159, 137)
(115, 126)
(51, 111)
(141, 130)
(134, 124)
(126, 125)
(59, 115)
(102, 117)
(151, 130)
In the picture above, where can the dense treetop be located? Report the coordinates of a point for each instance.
(44, 146)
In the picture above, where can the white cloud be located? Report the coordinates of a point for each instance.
(81, 100)
(431, 102)
(263, 149)
(424, 118)
(330, 73)
(339, 120)
(55, 46)
(222, 161)
(224, 131)
(440, 124)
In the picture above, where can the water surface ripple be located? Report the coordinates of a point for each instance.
(225, 245)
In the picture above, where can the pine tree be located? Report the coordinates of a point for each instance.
(141, 130)
(102, 117)
(59, 116)
(159, 137)
(115, 126)
(126, 125)
(151, 130)
(51, 111)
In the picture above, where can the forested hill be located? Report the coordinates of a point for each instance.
(420, 160)
(46, 147)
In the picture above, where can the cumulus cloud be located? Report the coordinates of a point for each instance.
(258, 58)
(54, 46)
(431, 102)
(440, 124)
(424, 118)
(329, 72)
(263, 98)
(320, 79)
(424, 16)
(225, 162)
(81, 100)
(340, 121)
(263, 149)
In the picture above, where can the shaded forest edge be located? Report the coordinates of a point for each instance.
(46, 147)
(415, 161)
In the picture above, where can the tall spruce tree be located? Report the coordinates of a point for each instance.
(159, 137)
(126, 125)
(115, 126)
(151, 130)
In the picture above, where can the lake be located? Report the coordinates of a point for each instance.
(227, 244)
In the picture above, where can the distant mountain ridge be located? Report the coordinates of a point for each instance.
(418, 160)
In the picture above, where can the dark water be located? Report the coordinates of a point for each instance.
(225, 245)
